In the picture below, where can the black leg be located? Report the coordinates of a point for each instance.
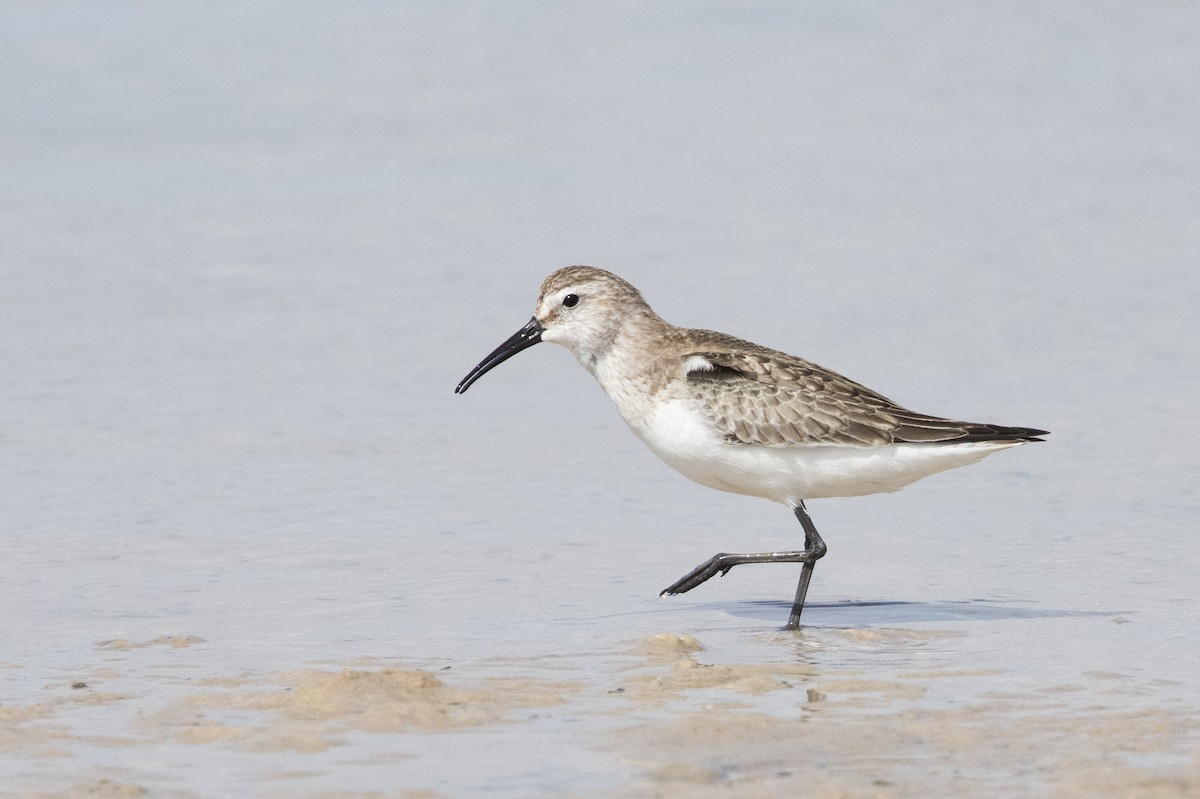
(722, 562)
(814, 544)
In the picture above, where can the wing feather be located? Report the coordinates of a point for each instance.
(764, 397)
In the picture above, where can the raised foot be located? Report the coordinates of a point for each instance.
(709, 568)
(722, 562)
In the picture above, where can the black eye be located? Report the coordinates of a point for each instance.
(571, 300)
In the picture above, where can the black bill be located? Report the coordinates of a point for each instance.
(523, 339)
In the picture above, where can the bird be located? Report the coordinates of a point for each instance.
(738, 417)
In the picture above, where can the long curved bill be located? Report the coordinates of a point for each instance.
(523, 339)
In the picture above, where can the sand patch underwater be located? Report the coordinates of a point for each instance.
(308, 710)
(845, 735)
(664, 715)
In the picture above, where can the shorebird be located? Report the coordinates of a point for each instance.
(738, 417)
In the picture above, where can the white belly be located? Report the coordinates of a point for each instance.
(678, 433)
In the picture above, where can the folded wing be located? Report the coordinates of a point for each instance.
(777, 399)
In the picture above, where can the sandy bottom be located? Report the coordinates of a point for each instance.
(663, 720)
(869, 738)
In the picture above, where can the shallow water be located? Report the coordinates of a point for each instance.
(247, 253)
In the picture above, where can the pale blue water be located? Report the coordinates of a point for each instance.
(246, 254)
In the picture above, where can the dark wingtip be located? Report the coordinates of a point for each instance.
(993, 432)
(930, 430)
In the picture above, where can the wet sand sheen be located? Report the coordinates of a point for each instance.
(675, 724)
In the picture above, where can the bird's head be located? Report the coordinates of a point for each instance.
(581, 308)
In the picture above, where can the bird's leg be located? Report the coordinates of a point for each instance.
(722, 562)
(813, 543)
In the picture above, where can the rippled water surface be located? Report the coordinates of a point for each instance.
(254, 546)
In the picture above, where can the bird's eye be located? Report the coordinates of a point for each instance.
(571, 300)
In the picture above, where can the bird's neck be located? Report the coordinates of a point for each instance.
(629, 361)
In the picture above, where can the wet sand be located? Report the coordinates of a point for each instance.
(664, 717)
